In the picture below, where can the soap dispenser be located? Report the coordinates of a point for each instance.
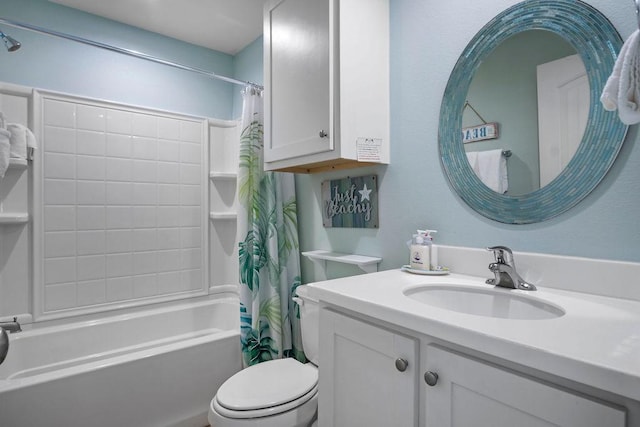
(420, 256)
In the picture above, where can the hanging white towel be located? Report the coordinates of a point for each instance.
(491, 167)
(472, 157)
(622, 90)
(21, 140)
(5, 147)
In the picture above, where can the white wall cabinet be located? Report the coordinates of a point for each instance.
(368, 375)
(361, 385)
(327, 84)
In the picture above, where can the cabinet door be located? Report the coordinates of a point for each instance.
(470, 393)
(297, 64)
(360, 384)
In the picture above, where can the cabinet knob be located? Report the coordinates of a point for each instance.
(401, 364)
(431, 378)
(323, 134)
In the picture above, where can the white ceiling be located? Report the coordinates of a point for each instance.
(223, 25)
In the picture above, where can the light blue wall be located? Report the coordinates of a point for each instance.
(56, 64)
(427, 36)
(247, 66)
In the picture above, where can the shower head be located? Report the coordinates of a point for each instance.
(11, 43)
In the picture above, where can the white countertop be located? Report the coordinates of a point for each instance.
(596, 342)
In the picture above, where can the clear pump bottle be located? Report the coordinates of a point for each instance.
(421, 245)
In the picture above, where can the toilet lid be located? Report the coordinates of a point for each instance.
(267, 384)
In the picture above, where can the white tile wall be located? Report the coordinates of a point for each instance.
(123, 204)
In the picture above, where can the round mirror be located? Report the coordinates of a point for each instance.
(523, 136)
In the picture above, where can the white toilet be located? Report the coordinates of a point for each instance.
(277, 393)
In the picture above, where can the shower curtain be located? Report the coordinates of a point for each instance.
(268, 248)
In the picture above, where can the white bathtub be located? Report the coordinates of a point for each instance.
(154, 367)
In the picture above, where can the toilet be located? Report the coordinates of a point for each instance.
(277, 393)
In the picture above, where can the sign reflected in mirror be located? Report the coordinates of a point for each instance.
(578, 169)
(535, 84)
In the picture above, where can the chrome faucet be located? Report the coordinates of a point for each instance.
(505, 272)
(4, 345)
(4, 338)
(11, 327)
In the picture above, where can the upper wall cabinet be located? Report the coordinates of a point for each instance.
(327, 84)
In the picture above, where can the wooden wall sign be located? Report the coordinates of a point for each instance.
(480, 133)
(350, 202)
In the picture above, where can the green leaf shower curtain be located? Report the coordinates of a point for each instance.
(268, 253)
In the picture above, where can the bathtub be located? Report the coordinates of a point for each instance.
(155, 367)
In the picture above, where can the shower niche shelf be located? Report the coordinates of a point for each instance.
(12, 199)
(224, 138)
(223, 176)
(18, 164)
(14, 218)
(227, 216)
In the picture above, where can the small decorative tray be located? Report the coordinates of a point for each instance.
(443, 271)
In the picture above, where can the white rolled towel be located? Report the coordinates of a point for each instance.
(622, 90)
(21, 140)
(5, 147)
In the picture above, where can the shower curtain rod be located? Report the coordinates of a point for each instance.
(128, 52)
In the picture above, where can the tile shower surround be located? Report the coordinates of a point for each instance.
(122, 204)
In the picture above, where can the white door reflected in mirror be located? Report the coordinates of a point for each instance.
(563, 111)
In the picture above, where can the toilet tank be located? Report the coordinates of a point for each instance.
(309, 323)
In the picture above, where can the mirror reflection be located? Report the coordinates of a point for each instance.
(534, 92)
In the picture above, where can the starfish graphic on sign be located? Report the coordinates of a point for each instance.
(364, 193)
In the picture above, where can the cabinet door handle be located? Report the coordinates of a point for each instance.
(431, 378)
(323, 134)
(401, 364)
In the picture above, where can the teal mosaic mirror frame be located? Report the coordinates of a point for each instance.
(597, 42)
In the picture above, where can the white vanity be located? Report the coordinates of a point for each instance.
(402, 350)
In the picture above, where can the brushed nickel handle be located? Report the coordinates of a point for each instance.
(401, 364)
(431, 378)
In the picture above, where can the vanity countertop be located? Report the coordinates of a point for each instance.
(596, 342)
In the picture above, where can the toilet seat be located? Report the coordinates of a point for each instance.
(267, 389)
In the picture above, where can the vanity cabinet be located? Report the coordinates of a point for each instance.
(360, 384)
(326, 69)
(472, 393)
(368, 374)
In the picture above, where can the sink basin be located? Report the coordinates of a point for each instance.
(490, 302)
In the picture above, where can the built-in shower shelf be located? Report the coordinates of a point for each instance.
(229, 216)
(18, 164)
(13, 218)
(223, 176)
(368, 264)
